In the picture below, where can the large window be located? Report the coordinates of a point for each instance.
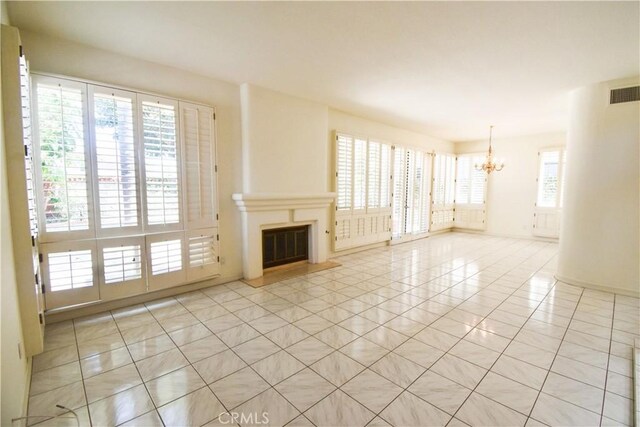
(363, 187)
(125, 190)
(412, 188)
(444, 173)
(546, 217)
(470, 192)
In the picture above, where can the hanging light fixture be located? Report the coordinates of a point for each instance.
(489, 164)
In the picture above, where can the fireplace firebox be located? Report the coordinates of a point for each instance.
(285, 245)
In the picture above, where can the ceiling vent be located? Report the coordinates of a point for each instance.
(625, 94)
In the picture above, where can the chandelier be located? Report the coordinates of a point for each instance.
(489, 164)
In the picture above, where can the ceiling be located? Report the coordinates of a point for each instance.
(448, 69)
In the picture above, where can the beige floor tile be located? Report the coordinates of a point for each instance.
(56, 357)
(336, 336)
(440, 391)
(173, 385)
(238, 335)
(475, 354)
(256, 349)
(478, 410)
(277, 367)
(112, 382)
(436, 338)
(200, 349)
(579, 371)
(120, 408)
(305, 389)
(520, 371)
(287, 335)
(143, 332)
(309, 350)
(575, 392)
(238, 387)
(419, 352)
(397, 369)
(409, 410)
(150, 419)
(52, 378)
(372, 390)
(218, 366)
(194, 409)
(337, 410)
(71, 396)
(99, 345)
(161, 364)
(386, 337)
(104, 362)
(150, 347)
(508, 392)
(555, 412)
(337, 368)
(364, 351)
(268, 323)
(313, 324)
(189, 334)
(279, 411)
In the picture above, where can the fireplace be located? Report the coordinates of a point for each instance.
(285, 245)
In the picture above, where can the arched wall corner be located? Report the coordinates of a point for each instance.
(600, 238)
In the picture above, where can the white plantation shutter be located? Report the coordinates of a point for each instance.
(470, 188)
(161, 162)
(166, 259)
(443, 184)
(547, 212)
(373, 191)
(116, 165)
(25, 93)
(123, 267)
(202, 253)
(344, 171)
(359, 174)
(385, 176)
(478, 183)
(548, 179)
(69, 273)
(199, 164)
(63, 154)
(463, 180)
(399, 191)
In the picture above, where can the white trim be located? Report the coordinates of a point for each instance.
(598, 287)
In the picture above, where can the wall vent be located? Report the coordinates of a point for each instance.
(625, 94)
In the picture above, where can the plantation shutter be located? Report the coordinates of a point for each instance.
(399, 190)
(166, 259)
(470, 188)
(161, 162)
(197, 126)
(359, 174)
(385, 176)
(123, 267)
(463, 180)
(63, 153)
(344, 169)
(373, 191)
(116, 185)
(202, 253)
(548, 179)
(478, 182)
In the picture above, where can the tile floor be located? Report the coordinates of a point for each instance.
(453, 330)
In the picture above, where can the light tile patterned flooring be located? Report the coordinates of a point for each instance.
(453, 330)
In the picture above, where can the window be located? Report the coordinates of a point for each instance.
(412, 172)
(546, 216)
(363, 183)
(550, 176)
(444, 173)
(126, 190)
(470, 183)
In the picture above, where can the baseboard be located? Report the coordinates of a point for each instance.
(101, 306)
(356, 249)
(507, 236)
(598, 287)
(27, 391)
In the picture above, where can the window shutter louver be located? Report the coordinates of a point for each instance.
(385, 175)
(373, 173)
(116, 160)
(161, 159)
(166, 257)
(202, 253)
(122, 263)
(63, 154)
(199, 164)
(25, 93)
(399, 185)
(548, 179)
(344, 168)
(359, 174)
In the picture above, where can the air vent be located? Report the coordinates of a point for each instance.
(626, 94)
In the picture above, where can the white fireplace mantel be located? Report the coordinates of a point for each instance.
(263, 211)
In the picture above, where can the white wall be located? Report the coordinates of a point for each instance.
(14, 370)
(511, 193)
(283, 143)
(71, 59)
(600, 245)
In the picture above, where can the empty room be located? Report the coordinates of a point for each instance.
(320, 213)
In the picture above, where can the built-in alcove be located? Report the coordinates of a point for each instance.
(284, 245)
